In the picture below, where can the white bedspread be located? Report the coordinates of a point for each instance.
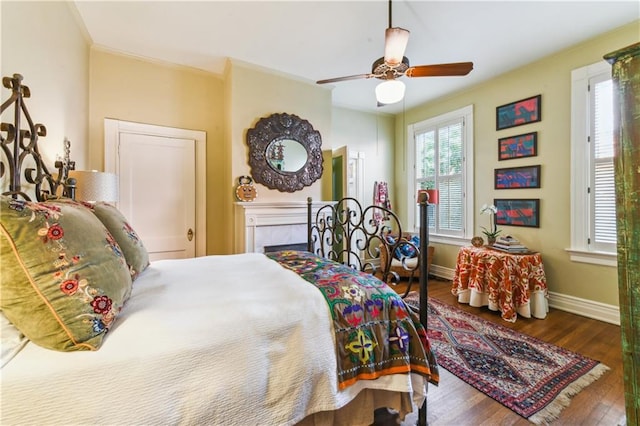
(217, 340)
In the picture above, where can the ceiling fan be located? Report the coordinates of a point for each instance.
(394, 65)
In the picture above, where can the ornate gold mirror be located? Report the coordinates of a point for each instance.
(285, 152)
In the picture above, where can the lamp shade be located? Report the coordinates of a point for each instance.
(431, 194)
(434, 194)
(390, 92)
(92, 186)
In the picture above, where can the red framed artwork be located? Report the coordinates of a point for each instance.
(517, 177)
(520, 112)
(519, 146)
(518, 212)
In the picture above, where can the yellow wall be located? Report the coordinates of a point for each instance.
(251, 94)
(44, 43)
(550, 77)
(371, 134)
(131, 89)
(257, 93)
(225, 107)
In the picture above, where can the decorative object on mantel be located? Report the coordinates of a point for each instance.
(245, 191)
(20, 146)
(493, 230)
(285, 152)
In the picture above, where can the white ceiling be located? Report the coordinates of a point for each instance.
(313, 40)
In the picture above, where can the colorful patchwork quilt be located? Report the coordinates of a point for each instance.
(376, 333)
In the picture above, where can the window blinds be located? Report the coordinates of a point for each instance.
(603, 201)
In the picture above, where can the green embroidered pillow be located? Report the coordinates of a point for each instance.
(64, 279)
(134, 251)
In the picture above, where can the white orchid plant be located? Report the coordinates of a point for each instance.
(491, 210)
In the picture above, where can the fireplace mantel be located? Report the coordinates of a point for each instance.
(258, 224)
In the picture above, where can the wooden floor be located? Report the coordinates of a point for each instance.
(454, 402)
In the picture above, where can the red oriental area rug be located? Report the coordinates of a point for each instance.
(529, 376)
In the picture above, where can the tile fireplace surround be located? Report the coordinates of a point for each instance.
(260, 224)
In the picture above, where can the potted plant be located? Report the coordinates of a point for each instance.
(493, 231)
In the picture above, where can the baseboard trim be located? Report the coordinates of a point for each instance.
(442, 272)
(563, 302)
(584, 307)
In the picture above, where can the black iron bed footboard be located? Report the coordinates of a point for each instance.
(347, 233)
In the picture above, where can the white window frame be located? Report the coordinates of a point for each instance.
(466, 113)
(581, 165)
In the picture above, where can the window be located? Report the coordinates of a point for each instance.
(593, 204)
(439, 149)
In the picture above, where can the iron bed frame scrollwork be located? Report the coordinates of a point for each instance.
(347, 233)
(20, 151)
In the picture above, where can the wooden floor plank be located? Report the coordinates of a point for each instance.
(601, 403)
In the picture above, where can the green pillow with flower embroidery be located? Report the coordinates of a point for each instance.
(134, 251)
(64, 279)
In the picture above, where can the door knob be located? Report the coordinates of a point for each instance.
(190, 234)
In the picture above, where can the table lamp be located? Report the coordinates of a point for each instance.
(93, 186)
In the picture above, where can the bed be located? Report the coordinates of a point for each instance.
(93, 333)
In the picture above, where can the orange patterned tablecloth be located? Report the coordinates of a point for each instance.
(514, 284)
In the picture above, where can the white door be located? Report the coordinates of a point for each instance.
(348, 181)
(157, 193)
(355, 176)
(352, 173)
(161, 185)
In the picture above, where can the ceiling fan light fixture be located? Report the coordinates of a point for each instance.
(394, 65)
(390, 92)
(395, 44)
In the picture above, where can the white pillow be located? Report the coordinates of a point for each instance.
(11, 340)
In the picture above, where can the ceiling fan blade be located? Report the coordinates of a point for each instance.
(395, 43)
(350, 77)
(440, 70)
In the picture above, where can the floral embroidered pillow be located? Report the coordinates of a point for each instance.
(64, 279)
(134, 251)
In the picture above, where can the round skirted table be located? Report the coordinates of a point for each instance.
(512, 283)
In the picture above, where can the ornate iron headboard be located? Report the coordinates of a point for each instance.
(20, 149)
(346, 232)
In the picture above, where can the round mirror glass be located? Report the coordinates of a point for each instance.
(286, 155)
